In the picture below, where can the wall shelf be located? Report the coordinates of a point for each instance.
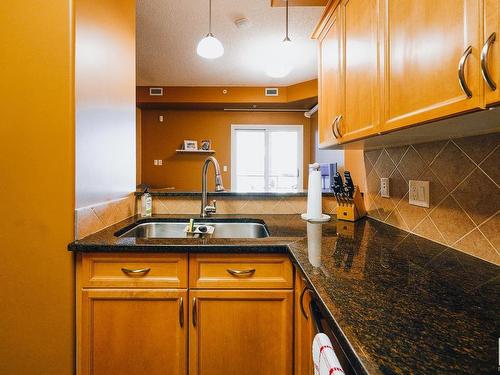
(195, 151)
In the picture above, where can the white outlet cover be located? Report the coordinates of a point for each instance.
(384, 187)
(419, 193)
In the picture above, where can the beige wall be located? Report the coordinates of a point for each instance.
(37, 184)
(464, 180)
(160, 140)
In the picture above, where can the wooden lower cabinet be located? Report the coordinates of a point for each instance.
(303, 328)
(244, 332)
(133, 331)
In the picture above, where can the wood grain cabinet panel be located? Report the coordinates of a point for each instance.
(134, 270)
(303, 328)
(241, 332)
(424, 42)
(491, 52)
(237, 271)
(329, 79)
(133, 331)
(360, 70)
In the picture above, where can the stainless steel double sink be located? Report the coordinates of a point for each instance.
(175, 228)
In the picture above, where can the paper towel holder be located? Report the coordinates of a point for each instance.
(305, 216)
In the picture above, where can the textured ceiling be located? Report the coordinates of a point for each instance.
(169, 30)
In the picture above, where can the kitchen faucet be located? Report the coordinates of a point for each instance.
(207, 210)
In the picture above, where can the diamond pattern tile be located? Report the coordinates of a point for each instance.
(412, 215)
(384, 165)
(437, 191)
(451, 166)
(478, 196)
(373, 155)
(428, 151)
(396, 153)
(451, 220)
(491, 229)
(476, 244)
(479, 146)
(398, 186)
(411, 165)
(492, 166)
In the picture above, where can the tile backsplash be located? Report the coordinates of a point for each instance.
(464, 177)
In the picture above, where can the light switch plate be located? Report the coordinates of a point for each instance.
(418, 194)
(384, 187)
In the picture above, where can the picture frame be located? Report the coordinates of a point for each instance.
(206, 145)
(190, 145)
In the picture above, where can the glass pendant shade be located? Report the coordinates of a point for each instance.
(210, 47)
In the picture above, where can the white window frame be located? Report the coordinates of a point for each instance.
(267, 128)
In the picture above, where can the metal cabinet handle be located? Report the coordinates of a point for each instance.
(301, 302)
(241, 272)
(141, 272)
(181, 312)
(194, 312)
(337, 126)
(461, 72)
(484, 62)
(334, 125)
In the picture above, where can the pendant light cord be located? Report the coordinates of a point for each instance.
(287, 39)
(210, 17)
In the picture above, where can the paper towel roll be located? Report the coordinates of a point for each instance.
(314, 209)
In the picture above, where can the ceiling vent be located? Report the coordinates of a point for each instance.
(156, 91)
(271, 91)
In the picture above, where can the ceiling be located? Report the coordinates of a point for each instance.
(168, 32)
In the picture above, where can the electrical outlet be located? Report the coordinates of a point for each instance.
(384, 187)
(224, 168)
(418, 194)
(160, 118)
(155, 162)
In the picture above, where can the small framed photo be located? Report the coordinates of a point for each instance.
(206, 145)
(190, 145)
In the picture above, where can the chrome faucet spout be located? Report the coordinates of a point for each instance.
(207, 210)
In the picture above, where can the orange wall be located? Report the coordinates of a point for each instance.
(105, 100)
(183, 171)
(37, 186)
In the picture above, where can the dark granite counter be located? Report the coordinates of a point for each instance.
(231, 194)
(398, 303)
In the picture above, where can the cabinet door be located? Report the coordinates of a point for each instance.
(241, 332)
(360, 70)
(425, 41)
(490, 57)
(304, 330)
(140, 331)
(329, 95)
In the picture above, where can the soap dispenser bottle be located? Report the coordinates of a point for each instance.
(146, 203)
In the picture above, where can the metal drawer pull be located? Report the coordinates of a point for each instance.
(484, 62)
(194, 312)
(334, 124)
(141, 272)
(181, 312)
(461, 72)
(337, 126)
(241, 272)
(302, 302)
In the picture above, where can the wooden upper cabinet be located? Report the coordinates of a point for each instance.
(425, 42)
(243, 332)
(490, 56)
(329, 87)
(133, 331)
(360, 70)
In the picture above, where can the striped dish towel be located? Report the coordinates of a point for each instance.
(324, 357)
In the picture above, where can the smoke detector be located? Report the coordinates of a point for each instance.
(242, 23)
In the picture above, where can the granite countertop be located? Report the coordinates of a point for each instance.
(398, 303)
(228, 193)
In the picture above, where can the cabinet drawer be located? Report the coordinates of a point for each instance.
(133, 270)
(237, 271)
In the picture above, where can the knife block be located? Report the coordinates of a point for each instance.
(351, 209)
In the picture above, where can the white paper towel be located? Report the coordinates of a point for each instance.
(314, 231)
(314, 203)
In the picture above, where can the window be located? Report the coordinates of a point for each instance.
(266, 157)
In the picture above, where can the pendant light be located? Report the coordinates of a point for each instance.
(282, 66)
(210, 47)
